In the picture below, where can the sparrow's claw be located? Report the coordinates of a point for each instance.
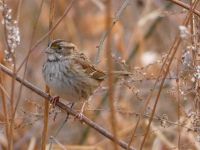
(54, 100)
(80, 115)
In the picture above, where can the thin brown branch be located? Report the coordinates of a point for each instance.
(47, 90)
(105, 35)
(46, 121)
(186, 6)
(5, 112)
(65, 108)
(178, 106)
(110, 75)
(19, 6)
(10, 130)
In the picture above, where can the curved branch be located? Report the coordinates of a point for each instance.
(65, 108)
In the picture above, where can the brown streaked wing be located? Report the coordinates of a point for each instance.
(91, 70)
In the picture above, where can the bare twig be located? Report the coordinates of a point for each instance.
(186, 6)
(47, 90)
(19, 6)
(65, 108)
(103, 37)
(110, 75)
(46, 121)
(4, 108)
(58, 143)
(179, 105)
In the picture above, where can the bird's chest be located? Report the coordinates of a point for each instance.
(58, 78)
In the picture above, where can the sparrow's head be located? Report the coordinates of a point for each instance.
(59, 48)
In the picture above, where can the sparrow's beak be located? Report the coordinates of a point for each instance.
(48, 50)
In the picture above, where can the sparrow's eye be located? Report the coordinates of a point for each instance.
(56, 46)
(59, 47)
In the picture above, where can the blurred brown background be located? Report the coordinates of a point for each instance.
(140, 41)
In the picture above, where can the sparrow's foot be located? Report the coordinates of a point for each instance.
(54, 100)
(80, 114)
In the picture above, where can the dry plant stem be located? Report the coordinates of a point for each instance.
(59, 129)
(147, 102)
(192, 28)
(12, 107)
(99, 4)
(5, 112)
(64, 108)
(196, 58)
(178, 109)
(8, 123)
(46, 121)
(19, 6)
(47, 34)
(58, 144)
(51, 18)
(157, 79)
(110, 75)
(4, 91)
(174, 48)
(139, 118)
(158, 95)
(47, 90)
(26, 63)
(192, 25)
(103, 37)
(149, 98)
(11, 118)
(186, 6)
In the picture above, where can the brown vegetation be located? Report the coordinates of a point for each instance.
(156, 107)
